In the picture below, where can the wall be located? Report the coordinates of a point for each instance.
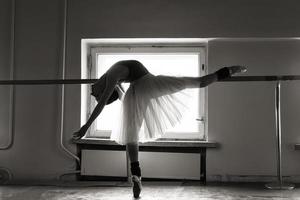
(36, 153)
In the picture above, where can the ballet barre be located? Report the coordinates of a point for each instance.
(48, 82)
(261, 78)
(90, 81)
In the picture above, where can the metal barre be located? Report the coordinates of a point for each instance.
(47, 82)
(262, 78)
(89, 81)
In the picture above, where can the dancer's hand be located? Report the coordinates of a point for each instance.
(79, 134)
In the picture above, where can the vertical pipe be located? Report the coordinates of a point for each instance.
(11, 77)
(63, 86)
(278, 130)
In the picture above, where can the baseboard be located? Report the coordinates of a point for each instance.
(251, 178)
(115, 178)
(210, 178)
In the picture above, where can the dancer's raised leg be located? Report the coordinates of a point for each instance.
(223, 73)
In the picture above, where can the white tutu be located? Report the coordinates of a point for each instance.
(151, 105)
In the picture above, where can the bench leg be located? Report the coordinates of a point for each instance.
(203, 166)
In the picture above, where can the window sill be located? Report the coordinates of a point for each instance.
(158, 143)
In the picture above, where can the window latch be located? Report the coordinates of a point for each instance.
(202, 120)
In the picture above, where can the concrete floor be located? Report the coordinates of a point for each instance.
(151, 191)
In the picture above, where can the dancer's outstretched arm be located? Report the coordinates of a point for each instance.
(110, 85)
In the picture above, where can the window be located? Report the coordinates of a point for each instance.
(165, 60)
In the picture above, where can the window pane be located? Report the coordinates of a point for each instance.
(176, 64)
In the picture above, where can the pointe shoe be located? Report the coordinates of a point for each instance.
(227, 72)
(137, 185)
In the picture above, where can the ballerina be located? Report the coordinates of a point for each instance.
(150, 100)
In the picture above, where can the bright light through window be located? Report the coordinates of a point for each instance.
(176, 64)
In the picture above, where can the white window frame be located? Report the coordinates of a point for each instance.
(124, 49)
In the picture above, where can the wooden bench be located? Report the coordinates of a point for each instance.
(178, 146)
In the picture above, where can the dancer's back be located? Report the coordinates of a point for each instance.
(136, 69)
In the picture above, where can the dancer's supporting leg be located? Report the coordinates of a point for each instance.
(132, 151)
(132, 148)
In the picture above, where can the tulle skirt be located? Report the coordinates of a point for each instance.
(151, 105)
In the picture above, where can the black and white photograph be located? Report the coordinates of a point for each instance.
(149, 100)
